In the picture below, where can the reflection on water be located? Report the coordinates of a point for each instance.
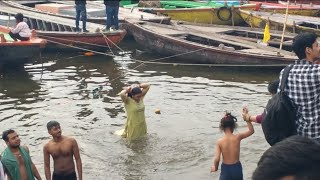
(81, 93)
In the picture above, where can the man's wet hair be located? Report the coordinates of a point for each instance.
(273, 86)
(19, 17)
(6, 133)
(52, 124)
(228, 121)
(301, 42)
(295, 156)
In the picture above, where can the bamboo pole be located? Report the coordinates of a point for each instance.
(285, 24)
(8, 21)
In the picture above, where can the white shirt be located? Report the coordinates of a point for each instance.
(23, 29)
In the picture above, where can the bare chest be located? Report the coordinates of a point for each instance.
(61, 149)
(21, 161)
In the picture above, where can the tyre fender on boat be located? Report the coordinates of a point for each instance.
(224, 13)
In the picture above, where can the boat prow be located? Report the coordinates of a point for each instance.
(19, 52)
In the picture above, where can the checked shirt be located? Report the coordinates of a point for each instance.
(303, 88)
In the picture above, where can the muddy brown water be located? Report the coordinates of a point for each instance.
(181, 140)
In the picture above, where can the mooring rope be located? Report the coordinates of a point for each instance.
(49, 37)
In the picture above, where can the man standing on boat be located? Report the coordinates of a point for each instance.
(112, 11)
(22, 30)
(62, 149)
(81, 10)
(16, 159)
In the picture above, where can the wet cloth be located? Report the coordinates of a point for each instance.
(1, 172)
(59, 176)
(9, 161)
(136, 125)
(231, 171)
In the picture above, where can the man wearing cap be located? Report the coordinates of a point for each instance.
(62, 150)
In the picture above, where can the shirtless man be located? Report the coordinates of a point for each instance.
(16, 156)
(62, 149)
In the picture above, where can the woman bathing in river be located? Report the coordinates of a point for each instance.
(132, 98)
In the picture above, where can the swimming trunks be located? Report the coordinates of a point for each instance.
(62, 176)
(231, 171)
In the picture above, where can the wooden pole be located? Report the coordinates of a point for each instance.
(284, 25)
(232, 15)
(8, 21)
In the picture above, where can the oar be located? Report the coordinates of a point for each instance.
(285, 24)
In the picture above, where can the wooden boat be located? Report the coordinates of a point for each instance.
(124, 13)
(92, 41)
(294, 1)
(302, 4)
(19, 52)
(295, 23)
(204, 45)
(293, 9)
(222, 15)
(60, 32)
(193, 4)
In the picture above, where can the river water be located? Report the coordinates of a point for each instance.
(181, 140)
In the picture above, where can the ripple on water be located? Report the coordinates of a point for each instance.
(181, 140)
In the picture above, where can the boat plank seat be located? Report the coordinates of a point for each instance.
(262, 52)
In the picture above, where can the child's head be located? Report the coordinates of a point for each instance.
(228, 121)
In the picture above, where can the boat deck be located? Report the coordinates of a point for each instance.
(40, 18)
(212, 33)
(281, 17)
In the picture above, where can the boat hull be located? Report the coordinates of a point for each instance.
(67, 40)
(189, 52)
(220, 16)
(294, 11)
(17, 54)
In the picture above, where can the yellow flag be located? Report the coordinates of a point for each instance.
(266, 34)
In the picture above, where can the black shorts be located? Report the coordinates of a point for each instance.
(69, 176)
(17, 36)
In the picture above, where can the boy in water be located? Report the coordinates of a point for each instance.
(229, 146)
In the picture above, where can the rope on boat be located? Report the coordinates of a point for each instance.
(106, 37)
(153, 61)
(84, 49)
(49, 37)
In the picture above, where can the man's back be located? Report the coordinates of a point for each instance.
(303, 88)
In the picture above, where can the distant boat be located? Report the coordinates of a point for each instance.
(293, 9)
(219, 15)
(294, 23)
(301, 4)
(124, 13)
(19, 52)
(206, 45)
(60, 32)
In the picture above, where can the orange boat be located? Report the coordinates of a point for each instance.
(19, 52)
(90, 40)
